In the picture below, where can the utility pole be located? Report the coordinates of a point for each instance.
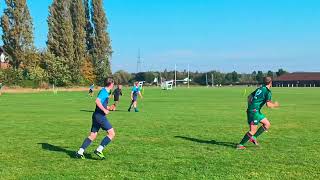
(175, 75)
(139, 61)
(188, 76)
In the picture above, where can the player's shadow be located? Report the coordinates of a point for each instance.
(89, 111)
(70, 153)
(214, 142)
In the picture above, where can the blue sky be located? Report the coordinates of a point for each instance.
(225, 35)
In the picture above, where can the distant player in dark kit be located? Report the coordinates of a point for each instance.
(99, 120)
(256, 101)
(91, 88)
(134, 96)
(116, 97)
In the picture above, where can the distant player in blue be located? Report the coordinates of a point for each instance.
(99, 120)
(134, 96)
(91, 88)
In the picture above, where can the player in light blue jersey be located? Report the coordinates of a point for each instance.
(135, 91)
(99, 120)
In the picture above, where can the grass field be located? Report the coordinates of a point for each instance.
(179, 134)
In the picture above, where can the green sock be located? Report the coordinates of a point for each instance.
(245, 138)
(260, 131)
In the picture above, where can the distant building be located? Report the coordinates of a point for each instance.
(298, 79)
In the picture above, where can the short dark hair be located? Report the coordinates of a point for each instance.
(267, 80)
(108, 82)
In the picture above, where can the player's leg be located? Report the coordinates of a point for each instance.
(110, 135)
(93, 135)
(116, 103)
(253, 125)
(86, 143)
(260, 118)
(135, 104)
(265, 126)
(248, 136)
(129, 109)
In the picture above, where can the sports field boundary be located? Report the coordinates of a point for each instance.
(31, 90)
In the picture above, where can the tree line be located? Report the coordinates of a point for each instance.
(198, 78)
(78, 47)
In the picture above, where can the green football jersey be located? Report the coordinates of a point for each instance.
(259, 98)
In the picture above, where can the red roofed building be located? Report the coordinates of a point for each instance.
(298, 79)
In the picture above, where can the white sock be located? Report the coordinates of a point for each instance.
(100, 148)
(81, 150)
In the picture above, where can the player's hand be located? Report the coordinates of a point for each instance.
(106, 112)
(276, 104)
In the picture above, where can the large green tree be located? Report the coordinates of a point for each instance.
(281, 72)
(17, 35)
(79, 38)
(60, 37)
(102, 46)
(259, 77)
(89, 27)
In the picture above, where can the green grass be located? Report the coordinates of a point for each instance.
(179, 134)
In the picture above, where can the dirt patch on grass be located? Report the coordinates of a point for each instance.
(30, 90)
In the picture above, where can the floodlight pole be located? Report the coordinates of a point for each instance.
(188, 76)
(207, 79)
(160, 78)
(212, 80)
(175, 75)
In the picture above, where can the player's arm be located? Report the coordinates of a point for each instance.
(271, 104)
(250, 98)
(131, 95)
(140, 95)
(99, 104)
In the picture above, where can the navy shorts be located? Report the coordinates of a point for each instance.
(135, 98)
(100, 121)
(116, 98)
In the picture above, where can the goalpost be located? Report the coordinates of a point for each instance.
(185, 80)
(171, 83)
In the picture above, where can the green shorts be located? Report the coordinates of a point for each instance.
(254, 117)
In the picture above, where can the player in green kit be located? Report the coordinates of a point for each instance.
(256, 101)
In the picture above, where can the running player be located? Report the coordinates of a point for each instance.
(91, 88)
(134, 97)
(256, 101)
(99, 120)
(116, 97)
